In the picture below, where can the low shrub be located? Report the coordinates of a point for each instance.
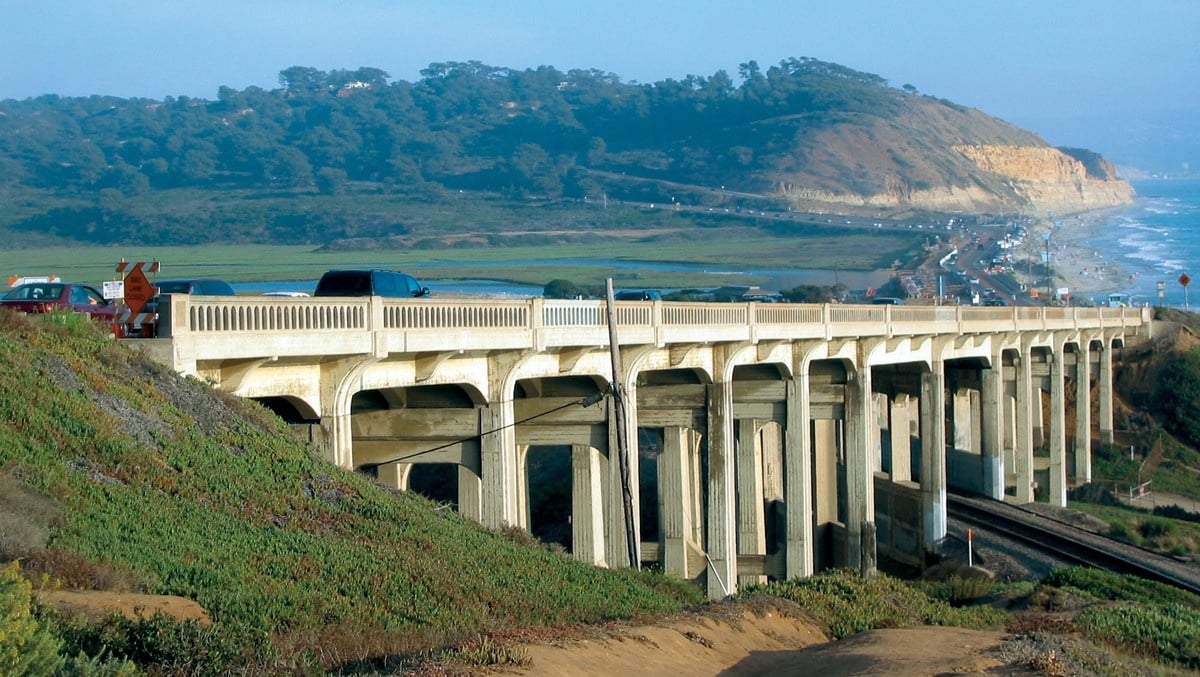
(849, 604)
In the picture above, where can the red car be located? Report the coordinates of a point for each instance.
(46, 297)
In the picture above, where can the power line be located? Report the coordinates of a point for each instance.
(583, 402)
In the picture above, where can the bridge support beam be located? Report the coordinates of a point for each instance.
(751, 515)
(1105, 387)
(933, 453)
(498, 458)
(394, 475)
(587, 506)
(798, 480)
(1058, 426)
(860, 477)
(470, 494)
(1082, 472)
(721, 542)
(1023, 444)
(900, 426)
(991, 428)
(678, 500)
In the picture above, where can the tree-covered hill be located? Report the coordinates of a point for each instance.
(261, 165)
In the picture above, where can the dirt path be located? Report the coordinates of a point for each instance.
(769, 644)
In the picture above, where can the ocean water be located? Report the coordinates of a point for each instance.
(1157, 239)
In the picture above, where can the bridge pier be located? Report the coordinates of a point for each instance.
(721, 518)
(1058, 425)
(933, 453)
(1105, 392)
(991, 427)
(1083, 412)
(587, 505)
(799, 542)
(1023, 442)
(679, 502)
(500, 502)
(860, 474)
(752, 457)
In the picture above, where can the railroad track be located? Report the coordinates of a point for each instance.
(1070, 543)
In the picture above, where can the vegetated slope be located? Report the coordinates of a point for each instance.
(803, 135)
(116, 471)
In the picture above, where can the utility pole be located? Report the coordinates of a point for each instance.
(622, 434)
(1046, 263)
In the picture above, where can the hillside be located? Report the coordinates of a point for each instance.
(353, 156)
(116, 474)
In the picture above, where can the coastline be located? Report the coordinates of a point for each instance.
(1079, 264)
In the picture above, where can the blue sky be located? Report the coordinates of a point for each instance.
(1101, 74)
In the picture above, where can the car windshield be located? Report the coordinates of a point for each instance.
(174, 287)
(35, 291)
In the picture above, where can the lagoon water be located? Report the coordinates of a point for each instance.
(779, 279)
(1154, 240)
(1157, 239)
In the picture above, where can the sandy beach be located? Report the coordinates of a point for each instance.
(1084, 270)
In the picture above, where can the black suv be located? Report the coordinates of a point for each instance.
(196, 286)
(369, 283)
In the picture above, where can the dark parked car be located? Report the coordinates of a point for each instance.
(637, 295)
(199, 286)
(369, 283)
(46, 297)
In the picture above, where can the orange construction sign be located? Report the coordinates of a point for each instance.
(138, 290)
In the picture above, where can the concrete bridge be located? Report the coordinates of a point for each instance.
(767, 440)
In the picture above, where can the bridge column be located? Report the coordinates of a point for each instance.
(587, 507)
(501, 504)
(751, 515)
(860, 478)
(1083, 413)
(616, 542)
(470, 494)
(991, 428)
(933, 452)
(1105, 385)
(394, 475)
(961, 406)
(524, 519)
(676, 503)
(1023, 443)
(1058, 426)
(879, 423)
(900, 425)
(722, 541)
(798, 480)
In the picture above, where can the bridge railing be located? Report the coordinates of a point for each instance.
(562, 322)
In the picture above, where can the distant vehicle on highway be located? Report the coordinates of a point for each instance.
(373, 282)
(48, 297)
(196, 286)
(887, 301)
(637, 295)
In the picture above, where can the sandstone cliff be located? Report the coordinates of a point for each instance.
(938, 157)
